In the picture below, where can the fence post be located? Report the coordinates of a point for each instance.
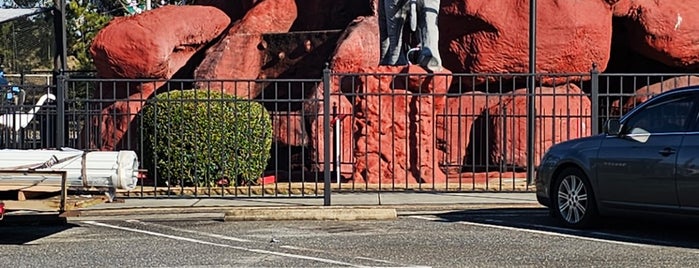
(326, 136)
(60, 109)
(531, 91)
(594, 96)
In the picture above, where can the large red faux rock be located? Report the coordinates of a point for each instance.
(395, 125)
(358, 53)
(492, 36)
(239, 55)
(288, 129)
(341, 109)
(154, 44)
(562, 113)
(454, 124)
(357, 48)
(663, 30)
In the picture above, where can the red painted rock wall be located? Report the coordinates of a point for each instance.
(413, 132)
(491, 36)
(288, 129)
(663, 30)
(139, 47)
(563, 113)
(238, 55)
(395, 125)
(454, 126)
(357, 48)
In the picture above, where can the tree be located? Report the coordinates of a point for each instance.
(27, 43)
(83, 21)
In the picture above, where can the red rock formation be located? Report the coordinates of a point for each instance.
(238, 55)
(357, 48)
(397, 136)
(454, 124)
(288, 129)
(645, 93)
(662, 30)
(563, 113)
(395, 125)
(141, 47)
(491, 36)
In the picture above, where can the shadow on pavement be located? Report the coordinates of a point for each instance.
(22, 229)
(656, 231)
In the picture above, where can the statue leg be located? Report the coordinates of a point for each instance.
(429, 58)
(392, 16)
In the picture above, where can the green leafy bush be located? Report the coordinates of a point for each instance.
(198, 137)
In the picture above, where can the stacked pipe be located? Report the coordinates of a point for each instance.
(118, 170)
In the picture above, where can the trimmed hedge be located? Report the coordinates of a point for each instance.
(198, 137)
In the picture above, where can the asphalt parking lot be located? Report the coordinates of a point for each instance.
(472, 238)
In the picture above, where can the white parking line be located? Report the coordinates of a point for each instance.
(248, 241)
(191, 231)
(541, 232)
(260, 251)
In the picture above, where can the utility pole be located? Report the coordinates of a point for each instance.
(59, 26)
(59, 67)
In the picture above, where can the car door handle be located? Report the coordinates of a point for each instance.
(666, 151)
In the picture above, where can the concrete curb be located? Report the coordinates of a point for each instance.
(310, 213)
(183, 211)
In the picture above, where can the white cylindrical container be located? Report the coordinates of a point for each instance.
(118, 170)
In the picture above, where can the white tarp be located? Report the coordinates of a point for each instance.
(8, 14)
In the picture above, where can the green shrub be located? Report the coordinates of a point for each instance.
(198, 137)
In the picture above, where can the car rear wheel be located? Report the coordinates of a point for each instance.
(573, 200)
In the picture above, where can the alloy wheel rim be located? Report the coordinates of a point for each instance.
(572, 199)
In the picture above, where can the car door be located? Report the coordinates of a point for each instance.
(688, 169)
(637, 167)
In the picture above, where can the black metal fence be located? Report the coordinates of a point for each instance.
(344, 132)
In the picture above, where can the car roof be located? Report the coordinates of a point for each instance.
(679, 90)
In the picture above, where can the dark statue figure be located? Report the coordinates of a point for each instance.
(423, 21)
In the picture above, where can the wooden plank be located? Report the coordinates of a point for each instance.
(33, 205)
(4, 188)
(43, 189)
(27, 195)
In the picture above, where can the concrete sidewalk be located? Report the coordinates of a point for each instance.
(343, 206)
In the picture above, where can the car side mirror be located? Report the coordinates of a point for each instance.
(612, 127)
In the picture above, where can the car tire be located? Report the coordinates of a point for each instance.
(573, 201)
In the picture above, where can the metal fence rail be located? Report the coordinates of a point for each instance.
(357, 132)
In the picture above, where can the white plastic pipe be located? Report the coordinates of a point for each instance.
(338, 162)
(117, 170)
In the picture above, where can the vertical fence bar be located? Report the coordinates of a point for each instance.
(60, 109)
(326, 135)
(531, 90)
(594, 95)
